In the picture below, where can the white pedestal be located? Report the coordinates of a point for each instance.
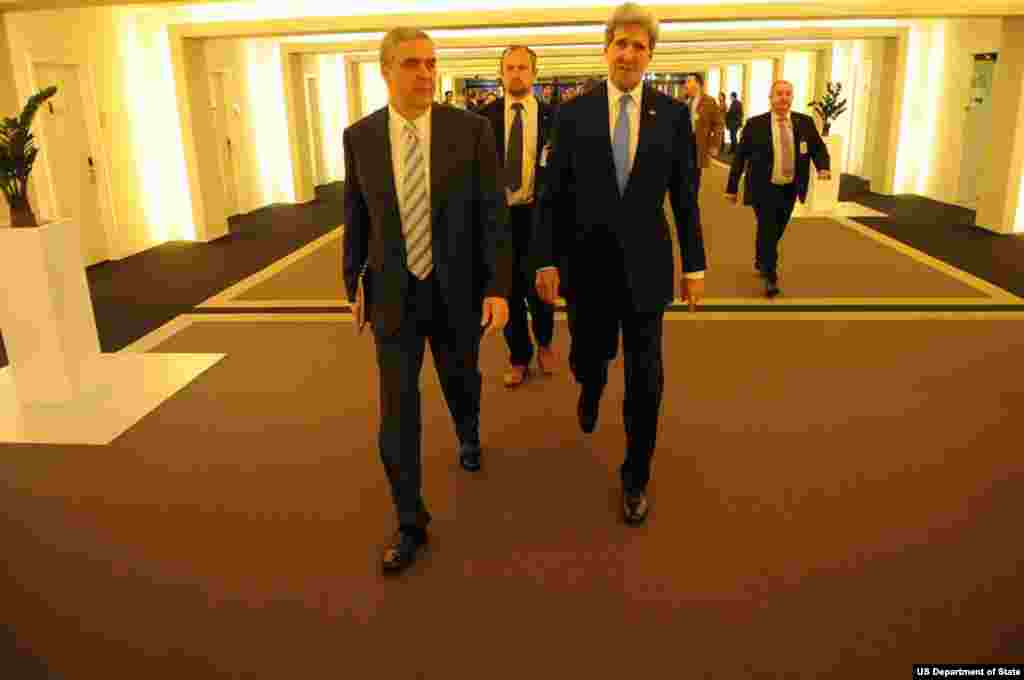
(823, 195)
(46, 313)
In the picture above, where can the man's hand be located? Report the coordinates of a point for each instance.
(824, 174)
(693, 291)
(547, 285)
(495, 314)
(732, 198)
(357, 317)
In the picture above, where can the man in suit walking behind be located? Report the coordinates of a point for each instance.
(734, 121)
(425, 213)
(707, 122)
(602, 237)
(776, 151)
(521, 126)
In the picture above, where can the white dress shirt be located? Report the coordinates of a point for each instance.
(530, 114)
(396, 130)
(777, 177)
(614, 101)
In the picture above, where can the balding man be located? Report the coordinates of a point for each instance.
(778, 146)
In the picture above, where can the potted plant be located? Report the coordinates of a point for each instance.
(17, 154)
(830, 107)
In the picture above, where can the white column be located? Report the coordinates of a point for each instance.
(715, 83)
(797, 70)
(762, 74)
(47, 316)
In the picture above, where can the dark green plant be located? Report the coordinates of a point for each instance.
(17, 155)
(830, 107)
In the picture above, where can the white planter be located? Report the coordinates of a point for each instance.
(46, 317)
(823, 195)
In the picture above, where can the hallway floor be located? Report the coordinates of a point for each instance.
(835, 491)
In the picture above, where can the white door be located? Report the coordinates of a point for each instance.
(226, 153)
(977, 128)
(65, 144)
(316, 147)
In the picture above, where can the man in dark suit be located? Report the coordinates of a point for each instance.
(776, 151)
(524, 123)
(734, 121)
(425, 214)
(602, 238)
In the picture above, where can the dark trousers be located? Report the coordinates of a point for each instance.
(524, 294)
(399, 360)
(596, 315)
(734, 136)
(773, 206)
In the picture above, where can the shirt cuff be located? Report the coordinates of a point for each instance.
(694, 275)
(544, 269)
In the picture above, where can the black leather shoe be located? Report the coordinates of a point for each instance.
(634, 506)
(469, 457)
(402, 552)
(587, 409)
(771, 285)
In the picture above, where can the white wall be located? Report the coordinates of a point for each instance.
(374, 87)
(939, 73)
(798, 68)
(129, 53)
(714, 83)
(334, 110)
(127, 93)
(762, 72)
(10, 107)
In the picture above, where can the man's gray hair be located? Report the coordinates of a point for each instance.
(395, 36)
(632, 13)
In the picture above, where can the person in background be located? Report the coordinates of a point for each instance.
(776, 152)
(521, 127)
(734, 121)
(707, 121)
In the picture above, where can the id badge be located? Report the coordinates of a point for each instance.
(803, 148)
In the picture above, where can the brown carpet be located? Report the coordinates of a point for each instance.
(831, 498)
(820, 259)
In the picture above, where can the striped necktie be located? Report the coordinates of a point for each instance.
(416, 213)
(786, 144)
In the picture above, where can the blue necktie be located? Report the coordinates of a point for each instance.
(620, 144)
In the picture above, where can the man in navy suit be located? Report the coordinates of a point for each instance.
(776, 152)
(602, 238)
(521, 126)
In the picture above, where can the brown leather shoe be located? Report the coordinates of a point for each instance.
(546, 360)
(634, 507)
(516, 375)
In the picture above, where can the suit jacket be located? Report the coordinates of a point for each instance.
(496, 114)
(471, 251)
(734, 118)
(581, 198)
(757, 151)
(710, 129)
